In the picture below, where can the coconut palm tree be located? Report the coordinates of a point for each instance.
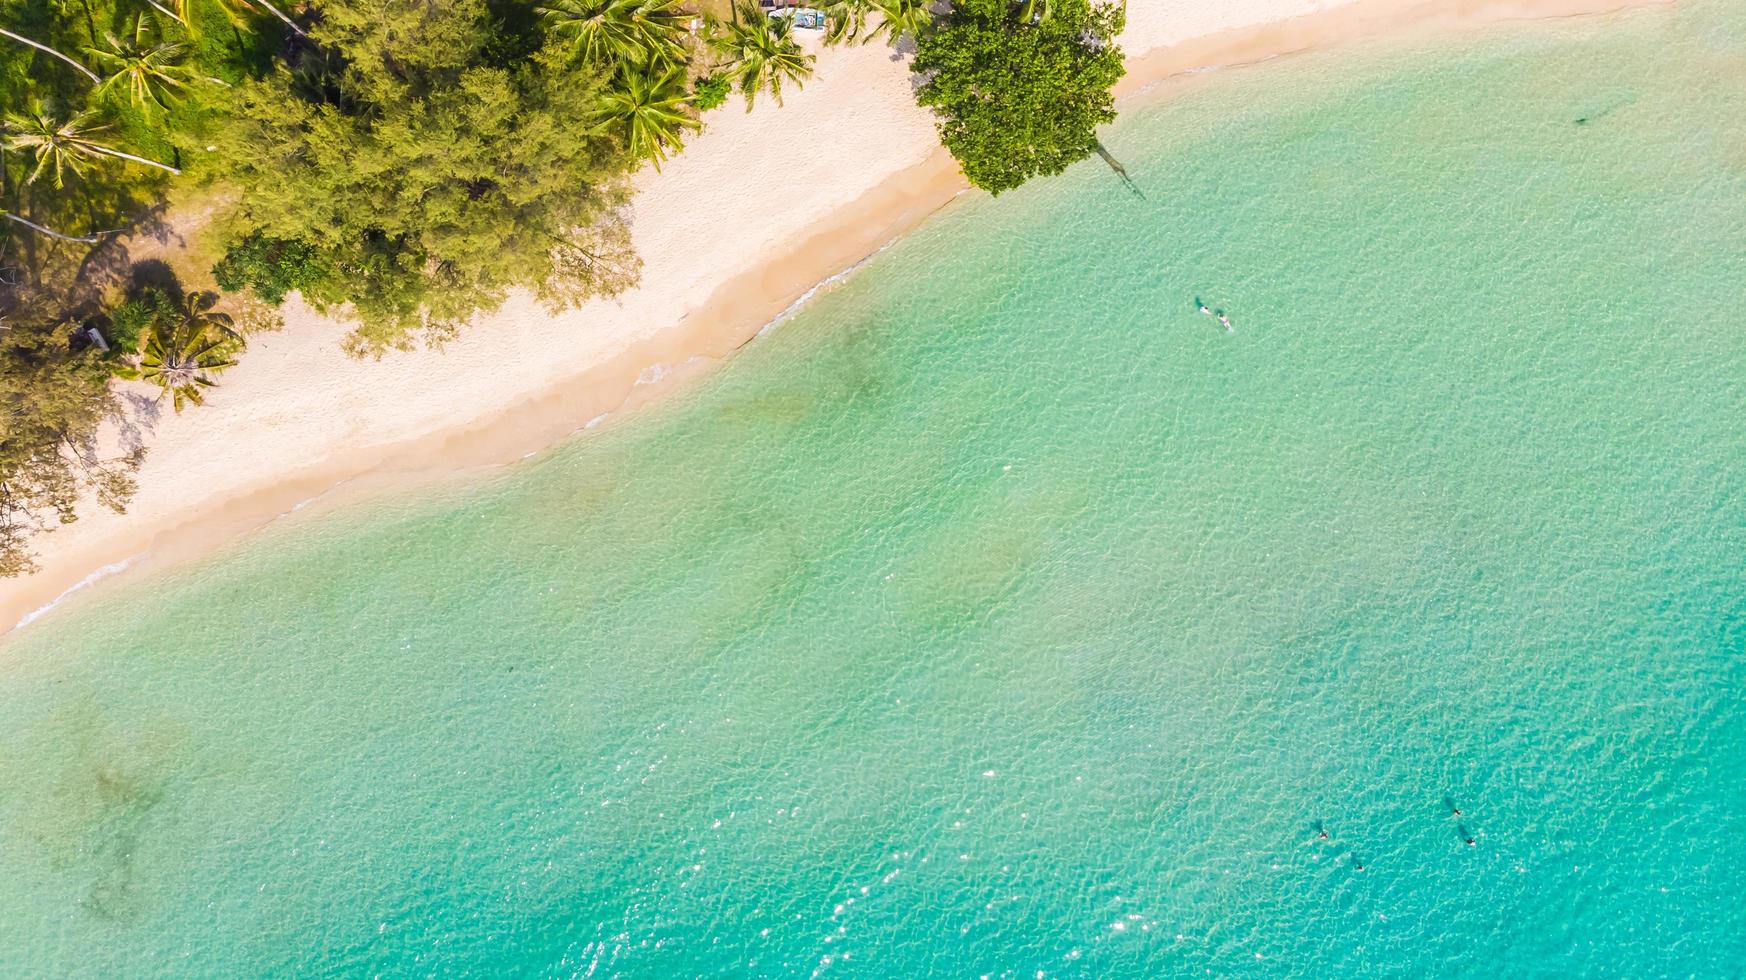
(21, 39)
(235, 11)
(845, 20)
(899, 17)
(638, 32)
(149, 71)
(185, 343)
(45, 230)
(761, 51)
(62, 145)
(650, 108)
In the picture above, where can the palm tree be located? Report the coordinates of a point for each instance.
(1033, 11)
(761, 51)
(845, 19)
(63, 145)
(233, 10)
(900, 17)
(21, 39)
(150, 71)
(185, 343)
(651, 108)
(197, 309)
(640, 32)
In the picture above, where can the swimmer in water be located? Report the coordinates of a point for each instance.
(1226, 321)
(1201, 306)
(1471, 842)
(1450, 803)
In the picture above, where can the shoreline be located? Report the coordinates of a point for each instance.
(703, 335)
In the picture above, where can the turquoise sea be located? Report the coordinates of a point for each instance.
(1000, 615)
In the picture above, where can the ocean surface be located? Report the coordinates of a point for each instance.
(1001, 615)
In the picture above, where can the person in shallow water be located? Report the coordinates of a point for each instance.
(1226, 320)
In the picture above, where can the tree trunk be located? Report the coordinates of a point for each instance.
(20, 38)
(1120, 171)
(128, 156)
(85, 239)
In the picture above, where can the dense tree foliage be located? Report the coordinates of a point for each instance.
(102, 102)
(430, 174)
(406, 162)
(184, 342)
(53, 398)
(272, 267)
(1020, 89)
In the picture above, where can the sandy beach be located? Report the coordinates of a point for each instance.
(759, 209)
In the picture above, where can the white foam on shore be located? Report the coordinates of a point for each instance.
(800, 302)
(91, 579)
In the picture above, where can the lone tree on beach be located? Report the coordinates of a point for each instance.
(1019, 90)
(184, 342)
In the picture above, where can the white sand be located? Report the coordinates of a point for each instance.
(297, 416)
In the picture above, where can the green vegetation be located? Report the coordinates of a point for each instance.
(636, 33)
(759, 53)
(710, 92)
(104, 102)
(185, 342)
(403, 163)
(1020, 90)
(865, 20)
(272, 267)
(650, 108)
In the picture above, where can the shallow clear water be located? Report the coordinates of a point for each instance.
(1001, 615)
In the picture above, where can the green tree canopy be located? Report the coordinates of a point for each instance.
(1017, 96)
(430, 173)
(52, 401)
